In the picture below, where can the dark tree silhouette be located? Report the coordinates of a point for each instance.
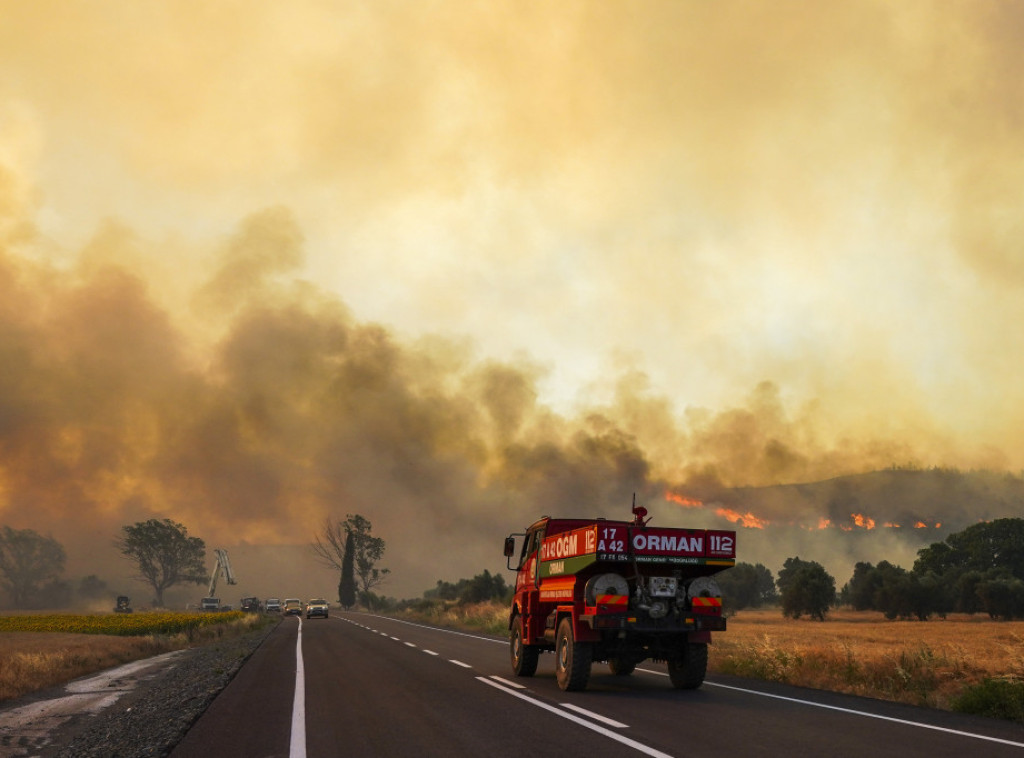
(164, 554)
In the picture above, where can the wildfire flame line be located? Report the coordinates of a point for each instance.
(686, 502)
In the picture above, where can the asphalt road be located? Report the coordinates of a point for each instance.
(373, 686)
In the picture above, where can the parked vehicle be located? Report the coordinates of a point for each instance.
(209, 604)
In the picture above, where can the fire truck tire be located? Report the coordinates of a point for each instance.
(687, 672)
(572, 659)
(524, 657)
(621, 667)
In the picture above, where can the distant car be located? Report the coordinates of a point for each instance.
(273, 605)
(293, 607)
(316, 607)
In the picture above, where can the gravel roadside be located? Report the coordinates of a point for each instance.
(153, 719)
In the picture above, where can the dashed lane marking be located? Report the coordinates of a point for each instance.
(638, 746)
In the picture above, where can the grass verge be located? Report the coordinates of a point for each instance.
(35, 660)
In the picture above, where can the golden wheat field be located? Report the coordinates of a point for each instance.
(919, 662)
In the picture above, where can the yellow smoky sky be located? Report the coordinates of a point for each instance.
(443, 263)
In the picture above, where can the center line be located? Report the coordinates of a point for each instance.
(297, 747)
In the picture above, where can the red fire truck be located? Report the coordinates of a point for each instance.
(616, 591)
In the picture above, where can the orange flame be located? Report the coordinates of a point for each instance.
(863, 521)
(686, 502)
(920, 525)
(743, 519)
(892, 525)
(824, 523)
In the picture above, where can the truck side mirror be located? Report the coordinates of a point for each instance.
(510, 547)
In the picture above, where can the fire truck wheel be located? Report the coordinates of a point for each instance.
(621, 667)
(572, 659)
(524, 657)
(687, 672)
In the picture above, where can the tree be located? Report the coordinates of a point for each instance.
(805, 587)
(329, 548)
(164, 554)
(860, 591)
(982, 547)
(347, 585)
(28, 560)
(747, 586)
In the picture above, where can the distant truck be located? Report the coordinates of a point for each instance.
(616, 591)
(221, 565)
(123, 604)
(249, 604)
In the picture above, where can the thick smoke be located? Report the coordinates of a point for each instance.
(292, 411)
(509, 261)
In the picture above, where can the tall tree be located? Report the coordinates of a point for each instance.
(805, 587)
(347, 585)
(164, 554)
(329, 548)
(28, 560)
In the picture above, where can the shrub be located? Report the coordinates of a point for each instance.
(995, 698)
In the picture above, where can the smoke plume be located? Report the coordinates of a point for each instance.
(454, 267)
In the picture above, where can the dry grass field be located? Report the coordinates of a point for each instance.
(31, 661)
(920, 662)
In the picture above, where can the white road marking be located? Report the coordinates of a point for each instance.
(460, 663)
(446, 631)
(297, 746)
(853, 712)
(507, 683)
(577, 720)
(430, 652)
(410, 644)
(596, 716)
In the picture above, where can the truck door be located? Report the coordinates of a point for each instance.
(527, 576)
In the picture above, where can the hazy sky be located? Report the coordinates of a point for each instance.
(705, 232)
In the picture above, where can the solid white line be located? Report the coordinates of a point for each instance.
(853, 712)
(297, 746)
(460, 663)
(507, 683)
(577, 720)
(595, 716)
